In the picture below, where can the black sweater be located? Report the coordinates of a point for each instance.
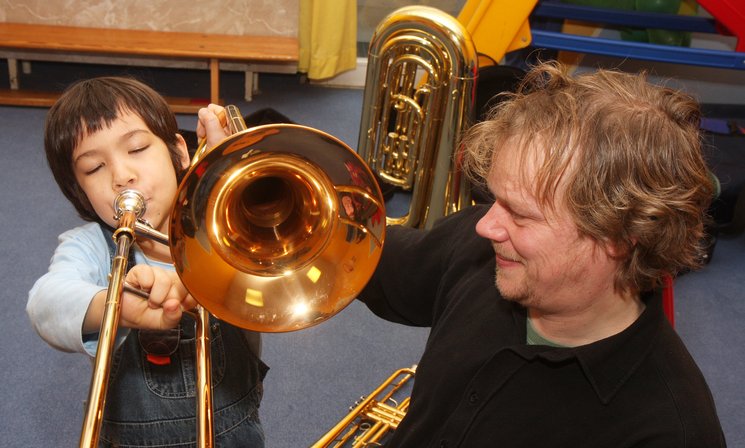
(479, 384)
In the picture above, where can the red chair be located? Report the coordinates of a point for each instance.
(667, 299)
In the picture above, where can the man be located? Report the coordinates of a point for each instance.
(599, 192)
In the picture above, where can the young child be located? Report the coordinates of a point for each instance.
(102, 136)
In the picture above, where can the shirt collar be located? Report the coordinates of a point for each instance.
(609, 362)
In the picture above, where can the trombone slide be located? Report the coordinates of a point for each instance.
(124, 236)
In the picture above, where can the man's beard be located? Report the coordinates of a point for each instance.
(519, 293)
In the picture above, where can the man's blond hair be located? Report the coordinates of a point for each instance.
(628, 154)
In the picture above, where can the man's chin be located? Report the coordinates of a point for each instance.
(511, 292)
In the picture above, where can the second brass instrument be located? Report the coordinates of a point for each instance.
(374, 417)
(421, 80)
(422, 70)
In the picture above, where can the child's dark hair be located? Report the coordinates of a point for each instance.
(87, 107)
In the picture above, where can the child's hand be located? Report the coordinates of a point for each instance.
(163, 309)
(211, 126)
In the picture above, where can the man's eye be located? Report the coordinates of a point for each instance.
(519, 219)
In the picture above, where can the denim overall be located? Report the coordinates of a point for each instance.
(151, 405)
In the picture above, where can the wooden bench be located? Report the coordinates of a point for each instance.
(250, 54)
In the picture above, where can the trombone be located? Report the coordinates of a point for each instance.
(275, 229)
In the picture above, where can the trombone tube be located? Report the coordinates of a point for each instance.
(205, 413)
(205, 417)
(109, 323)
(150, 233)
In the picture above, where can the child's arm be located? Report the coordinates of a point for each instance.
(163, 308)
(59, 300)
(62, 299)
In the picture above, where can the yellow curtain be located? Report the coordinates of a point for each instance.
(328, 37)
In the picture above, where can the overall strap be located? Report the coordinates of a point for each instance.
(149, 337)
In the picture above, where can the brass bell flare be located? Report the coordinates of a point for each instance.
(277, 228)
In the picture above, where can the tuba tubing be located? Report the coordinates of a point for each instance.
(421, 81)
(418, 98)
(275, 229)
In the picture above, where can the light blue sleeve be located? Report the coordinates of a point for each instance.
(59, 300)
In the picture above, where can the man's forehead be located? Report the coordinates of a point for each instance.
(514, 166)
(517, 175)
(511, 185)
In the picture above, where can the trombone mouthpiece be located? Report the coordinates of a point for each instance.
(129, 201)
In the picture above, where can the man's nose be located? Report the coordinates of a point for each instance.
(491, 225)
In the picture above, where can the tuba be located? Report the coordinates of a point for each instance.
(275, 229)
(418, 99)
(421, 81)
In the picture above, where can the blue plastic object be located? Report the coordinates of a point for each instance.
(633, 50)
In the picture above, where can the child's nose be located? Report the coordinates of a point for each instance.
(123, 177)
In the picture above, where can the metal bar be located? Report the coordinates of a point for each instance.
(634, 50)
(636, 19)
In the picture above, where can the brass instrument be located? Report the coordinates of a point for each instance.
(275, 229)
(129, 207)
(421, 81)
(374, 417)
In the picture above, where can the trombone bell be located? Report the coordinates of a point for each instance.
(277, 228)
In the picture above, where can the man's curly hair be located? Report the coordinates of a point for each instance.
(626, 154)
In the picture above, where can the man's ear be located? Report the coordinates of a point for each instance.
(183, 151)
(619, 249)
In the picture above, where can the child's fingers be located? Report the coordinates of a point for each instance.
(189, 302)
(148, 279)
(136, 313)
(166, 287)
(141, 277)
(210, 125)
(167, 298)
(171, 313)
(159, 283)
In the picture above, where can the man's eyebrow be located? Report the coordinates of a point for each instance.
(520, 203)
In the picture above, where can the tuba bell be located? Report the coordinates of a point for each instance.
(418, 99)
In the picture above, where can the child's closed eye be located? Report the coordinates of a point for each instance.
(139, 149)
(93, 170)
